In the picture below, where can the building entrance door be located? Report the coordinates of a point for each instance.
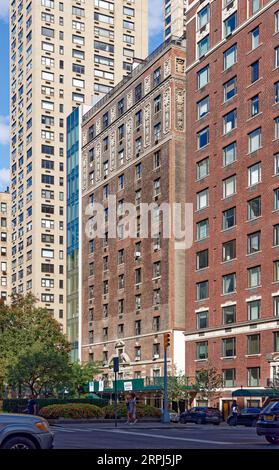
(226, 405)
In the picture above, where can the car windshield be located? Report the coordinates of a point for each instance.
(273, 406)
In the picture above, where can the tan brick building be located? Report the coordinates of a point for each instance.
(5, 245)
(133, 288)
(63, 53)
(232, 282)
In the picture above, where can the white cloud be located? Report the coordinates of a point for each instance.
(4, 130)
(4, 178)
(4, 10)
(156, 18)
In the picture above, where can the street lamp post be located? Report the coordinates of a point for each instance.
(115, 370)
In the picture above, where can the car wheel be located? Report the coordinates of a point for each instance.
(217, 424)
(19, 443)
(272, 439)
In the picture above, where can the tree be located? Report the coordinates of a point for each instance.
(23, 328)
(178, 388)
(81, 375)
(40, 371)
(208, 382)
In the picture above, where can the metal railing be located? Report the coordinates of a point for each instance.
(172, 40)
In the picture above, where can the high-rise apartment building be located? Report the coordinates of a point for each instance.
(134, 284)
(5, 243)
(62, 54)
(174, 17)
(232, 172)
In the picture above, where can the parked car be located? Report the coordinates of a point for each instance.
(246, 417)
(24, 432)
(268, 423)
(174, 417)
(201, 415)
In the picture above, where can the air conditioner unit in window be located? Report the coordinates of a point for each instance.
(156, 356)
(137, 254)
(203, 28)
(230, 5)
(137, 358)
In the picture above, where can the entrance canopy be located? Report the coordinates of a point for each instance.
(255, 392)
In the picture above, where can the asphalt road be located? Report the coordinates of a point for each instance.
(152, 436)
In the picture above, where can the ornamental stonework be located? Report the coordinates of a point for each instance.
(180, 65)
(98, 126)
(98, 161)
(113, 114)
(112, 139)
(130, 99)
(147, 125)
(167, 68)
(84, 172)
(180, 110)
(147, 84)
(166, 110)
(129, 138)
(84, 138)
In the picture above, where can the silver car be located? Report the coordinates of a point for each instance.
(24, 432)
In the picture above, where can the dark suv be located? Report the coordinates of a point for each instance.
(246, 416)
(268, 423)
(201, 415)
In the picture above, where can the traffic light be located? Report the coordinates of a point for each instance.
(167, 340)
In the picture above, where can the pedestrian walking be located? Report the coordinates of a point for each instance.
(32, 405)
(234, 413)
(131, 409)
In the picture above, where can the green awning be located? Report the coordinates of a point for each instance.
(255, 392)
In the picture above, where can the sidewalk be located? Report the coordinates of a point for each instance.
(141, 424)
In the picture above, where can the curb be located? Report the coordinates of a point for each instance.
(96, 421)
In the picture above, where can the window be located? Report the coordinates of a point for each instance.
(203, 168)
(203, 107)
(229, 347)
(254, 174)
(276, 17)
(254, 140)
(229, 250)
(202, 259)
(203, 77)
(276, 126)
(229, 283)
(230, 24)
(276, 199)
(203, 17)
(254, 243)
(254, 374)
(202, 319)
(203, 46)
(254, 208)
(229, 121)
(138, 92)
(275, 271)
(229, 314)
(157, 76)
(230, 89)
(276, 341)
(202, 199)
(230, 57)
(256, 4)
(255, 71)
(255, 37)
(254, 277)
(229, 378)
(203, 137)
(276, 235)
(254, 309)
(202, 350)
(229, 186)
(202, 229)
(202, 290)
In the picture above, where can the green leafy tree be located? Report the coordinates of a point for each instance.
(81, 375)
(24, 327)
(40, 371)
(178, 388)
(208, 383)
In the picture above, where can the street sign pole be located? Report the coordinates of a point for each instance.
(115, 369)
(165, 415)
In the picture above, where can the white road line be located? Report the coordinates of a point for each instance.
(118, 431)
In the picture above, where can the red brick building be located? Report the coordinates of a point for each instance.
(133, 288)
(232, 171)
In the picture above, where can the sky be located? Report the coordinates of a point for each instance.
(155, 38)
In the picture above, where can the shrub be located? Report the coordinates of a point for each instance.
(141, 411)
(72, 410)
(17, 405)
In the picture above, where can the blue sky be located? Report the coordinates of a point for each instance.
(155, 36)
